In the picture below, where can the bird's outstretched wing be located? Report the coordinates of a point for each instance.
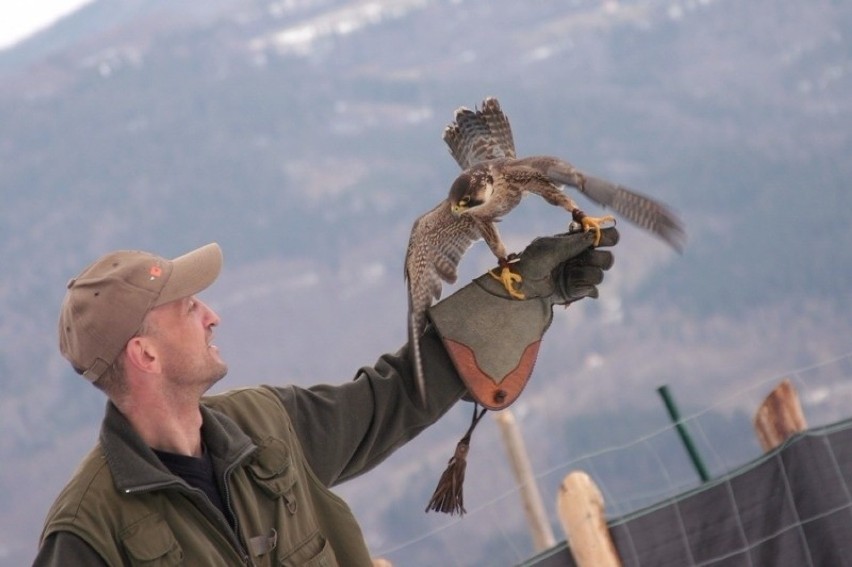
(438, 241)
(641, 210)
(480, 135)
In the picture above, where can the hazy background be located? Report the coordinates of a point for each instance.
(305, 137)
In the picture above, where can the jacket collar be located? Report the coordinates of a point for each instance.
(134, 465)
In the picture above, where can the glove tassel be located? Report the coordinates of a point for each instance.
(448, 497)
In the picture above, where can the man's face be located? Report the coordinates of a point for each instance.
(183, 333)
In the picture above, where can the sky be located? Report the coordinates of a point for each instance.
(20, 19)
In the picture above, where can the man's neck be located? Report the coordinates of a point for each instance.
(167, 426)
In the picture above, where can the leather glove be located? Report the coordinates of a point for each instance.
(492, 338)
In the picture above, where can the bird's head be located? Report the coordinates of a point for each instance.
(470, 189)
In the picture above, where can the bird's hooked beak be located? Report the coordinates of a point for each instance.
(457, 209)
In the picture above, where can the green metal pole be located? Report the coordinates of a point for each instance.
(684, 434)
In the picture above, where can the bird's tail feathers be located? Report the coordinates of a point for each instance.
(479, 135)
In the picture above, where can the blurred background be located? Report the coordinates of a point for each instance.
(305, 137)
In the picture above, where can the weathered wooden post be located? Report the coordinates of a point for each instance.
(779, 417)
(540, 529)
(580, 506)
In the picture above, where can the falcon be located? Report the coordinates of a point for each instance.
(492, 183)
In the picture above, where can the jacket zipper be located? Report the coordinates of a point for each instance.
(226, 477)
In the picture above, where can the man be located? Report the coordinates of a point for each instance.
(242, 478)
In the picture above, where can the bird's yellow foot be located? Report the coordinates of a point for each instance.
(508, 278)
(593, 223)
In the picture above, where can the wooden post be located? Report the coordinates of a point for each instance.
(581, 511)
(540, 529)
(779, 417)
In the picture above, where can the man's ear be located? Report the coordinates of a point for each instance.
(141, 353)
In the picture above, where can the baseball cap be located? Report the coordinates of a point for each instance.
(105, 305)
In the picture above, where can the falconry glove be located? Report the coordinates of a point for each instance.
(493, 338)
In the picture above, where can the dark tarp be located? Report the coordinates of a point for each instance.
(790, 508)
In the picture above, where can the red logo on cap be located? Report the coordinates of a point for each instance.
(156, 272)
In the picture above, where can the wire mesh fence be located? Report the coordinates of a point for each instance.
(652, 471)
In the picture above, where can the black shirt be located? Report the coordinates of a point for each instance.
(198, 473)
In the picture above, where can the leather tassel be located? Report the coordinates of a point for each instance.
(448, 497)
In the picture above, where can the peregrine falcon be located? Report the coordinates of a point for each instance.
(492, 183)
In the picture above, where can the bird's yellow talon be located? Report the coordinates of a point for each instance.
(594, 223)
(508, 278)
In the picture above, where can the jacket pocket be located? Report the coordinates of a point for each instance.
(273, 471)
(151, 542)
(315, 552)
(295, 538)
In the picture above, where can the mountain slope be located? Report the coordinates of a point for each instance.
(305, 138)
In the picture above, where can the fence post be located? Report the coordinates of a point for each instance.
(581, 511)
(694, 456)
(779, 417)
(540, 529)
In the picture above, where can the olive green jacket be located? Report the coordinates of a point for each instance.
(275, 451)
